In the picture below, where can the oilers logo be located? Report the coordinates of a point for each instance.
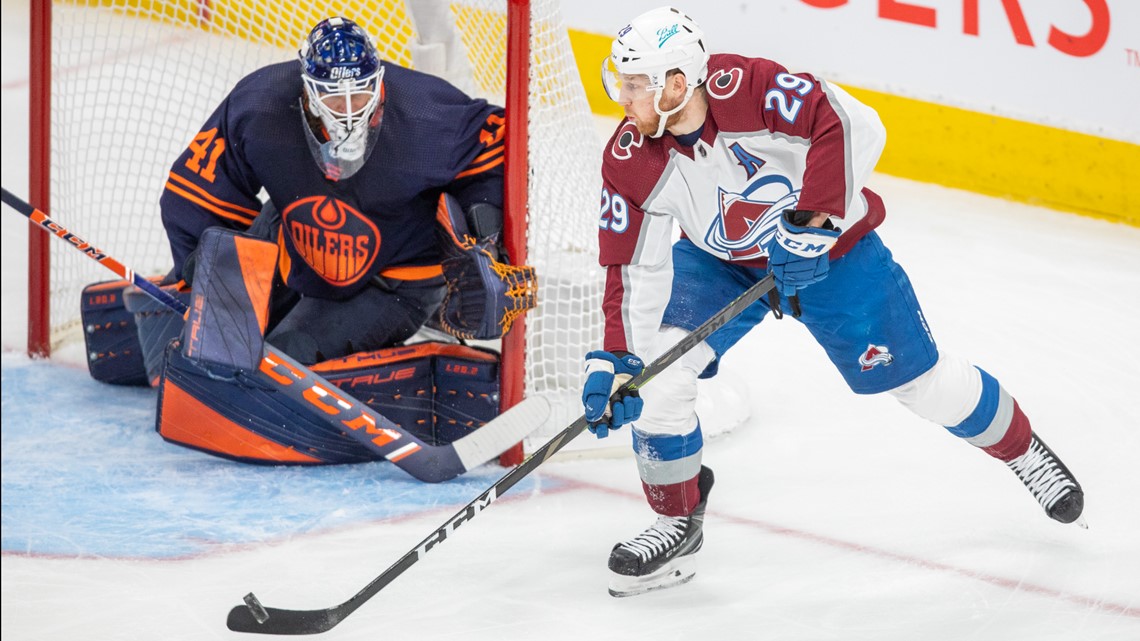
(875, 355)
(333, 238)
(746, 221)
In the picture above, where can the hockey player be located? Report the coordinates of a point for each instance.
(764, 171)
(384, 202)
(353, 154)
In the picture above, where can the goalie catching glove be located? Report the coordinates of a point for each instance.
(484, 294)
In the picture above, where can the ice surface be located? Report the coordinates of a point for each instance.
(835, 517)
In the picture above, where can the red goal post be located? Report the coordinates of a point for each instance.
(118, 87)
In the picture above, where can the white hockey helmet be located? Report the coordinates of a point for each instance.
(653, 44)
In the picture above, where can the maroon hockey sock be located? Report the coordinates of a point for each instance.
(1016, 439)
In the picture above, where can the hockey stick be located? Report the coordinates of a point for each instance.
(429, 463)
(254, 617)
(41, 219)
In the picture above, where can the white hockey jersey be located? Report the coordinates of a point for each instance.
(771, 141)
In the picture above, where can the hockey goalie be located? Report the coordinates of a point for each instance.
(383, 215)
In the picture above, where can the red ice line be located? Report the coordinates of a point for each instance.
(572, 483)
(992, 579)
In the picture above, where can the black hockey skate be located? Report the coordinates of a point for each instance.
(1050, 482)
(661, 556)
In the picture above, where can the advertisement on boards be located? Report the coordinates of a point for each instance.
(1069, 64)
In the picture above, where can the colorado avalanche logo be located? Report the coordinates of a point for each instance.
(723, 83)
(875, 355)
(334, 239)
(628, 137)
(747, 221)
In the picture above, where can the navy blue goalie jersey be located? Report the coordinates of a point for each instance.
(337, 234)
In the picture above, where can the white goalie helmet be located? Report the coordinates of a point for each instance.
(653, 44)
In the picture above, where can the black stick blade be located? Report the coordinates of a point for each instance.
(245, 618)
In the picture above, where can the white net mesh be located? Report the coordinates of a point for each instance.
(132, 80)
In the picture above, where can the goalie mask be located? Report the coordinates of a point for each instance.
(646, 50)
(344, 90)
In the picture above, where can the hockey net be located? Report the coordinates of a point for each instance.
(132, 80)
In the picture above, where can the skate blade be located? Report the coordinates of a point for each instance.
(675, 573)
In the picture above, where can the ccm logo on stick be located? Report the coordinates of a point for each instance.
(440, 535)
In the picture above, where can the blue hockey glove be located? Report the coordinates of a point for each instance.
(605, 372)
(797, 255)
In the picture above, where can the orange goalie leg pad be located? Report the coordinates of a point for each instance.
(187, 421)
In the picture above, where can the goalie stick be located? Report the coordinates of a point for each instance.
(254, 617)
(429, 463)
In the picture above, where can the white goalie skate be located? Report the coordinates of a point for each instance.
(663, 555)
